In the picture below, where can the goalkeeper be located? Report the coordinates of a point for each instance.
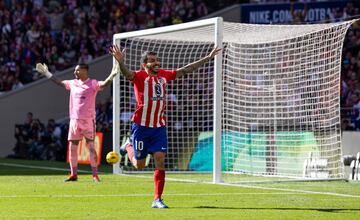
(83, 92)
(148, 131)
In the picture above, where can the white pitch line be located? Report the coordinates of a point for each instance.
(140, 195)
(194, 181)
(41, 168)
(294, 190)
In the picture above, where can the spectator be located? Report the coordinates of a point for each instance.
(56, 20)
(102, 114)
(16, 84)
(298, 16)
(346, 126)
(33, 34)
(27, 55)
(11, 63)
(201, 9)
(51, 140)
(85, 56)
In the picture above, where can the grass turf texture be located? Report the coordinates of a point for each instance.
(33, 193)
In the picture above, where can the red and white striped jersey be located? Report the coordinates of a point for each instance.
(150, 93)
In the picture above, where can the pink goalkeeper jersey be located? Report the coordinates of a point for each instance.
(150, 93)
(82, 98)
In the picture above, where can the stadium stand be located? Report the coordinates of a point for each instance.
(84, 30)
(61, 33)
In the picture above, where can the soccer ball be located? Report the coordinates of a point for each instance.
(112, 157)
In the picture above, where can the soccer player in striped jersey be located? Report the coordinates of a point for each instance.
(148, 131)
(83, 92)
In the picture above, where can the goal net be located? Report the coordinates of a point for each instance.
(269, 106)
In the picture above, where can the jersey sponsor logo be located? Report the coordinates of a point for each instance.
(157, 98)
(158, 89)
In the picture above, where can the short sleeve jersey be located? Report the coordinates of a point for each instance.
(150, 93)
(82, 98)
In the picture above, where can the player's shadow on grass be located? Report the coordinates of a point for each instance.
(290, 209)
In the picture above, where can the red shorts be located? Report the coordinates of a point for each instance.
(79, 128)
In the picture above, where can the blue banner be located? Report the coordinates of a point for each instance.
(281, 13)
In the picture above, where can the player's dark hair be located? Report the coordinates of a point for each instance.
(83, 66)
(144, 56)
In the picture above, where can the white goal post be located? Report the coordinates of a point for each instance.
(269, 106)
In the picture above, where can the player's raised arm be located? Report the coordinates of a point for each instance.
(115, 70)
(119, 56)
(44, 70)
(195, 65)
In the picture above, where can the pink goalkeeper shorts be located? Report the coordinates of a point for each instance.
(79, 128)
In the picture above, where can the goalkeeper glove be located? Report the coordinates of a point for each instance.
(115, 70)
(43, 70)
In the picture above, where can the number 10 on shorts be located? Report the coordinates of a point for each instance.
(139, 145)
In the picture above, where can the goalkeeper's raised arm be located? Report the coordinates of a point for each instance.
(44, 70)
(118, 55)
(195, 65)
(115, 70)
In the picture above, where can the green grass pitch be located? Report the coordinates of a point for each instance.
(36, 190)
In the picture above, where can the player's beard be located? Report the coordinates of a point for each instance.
(156, 68)
(153, 68)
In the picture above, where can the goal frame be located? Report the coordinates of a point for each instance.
(217, 22)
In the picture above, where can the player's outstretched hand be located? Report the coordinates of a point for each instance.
(117, 53)
(43, 70)
(214, 52)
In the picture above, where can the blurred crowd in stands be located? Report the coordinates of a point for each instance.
(63, 33)
(350, 69)
(35, 140)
